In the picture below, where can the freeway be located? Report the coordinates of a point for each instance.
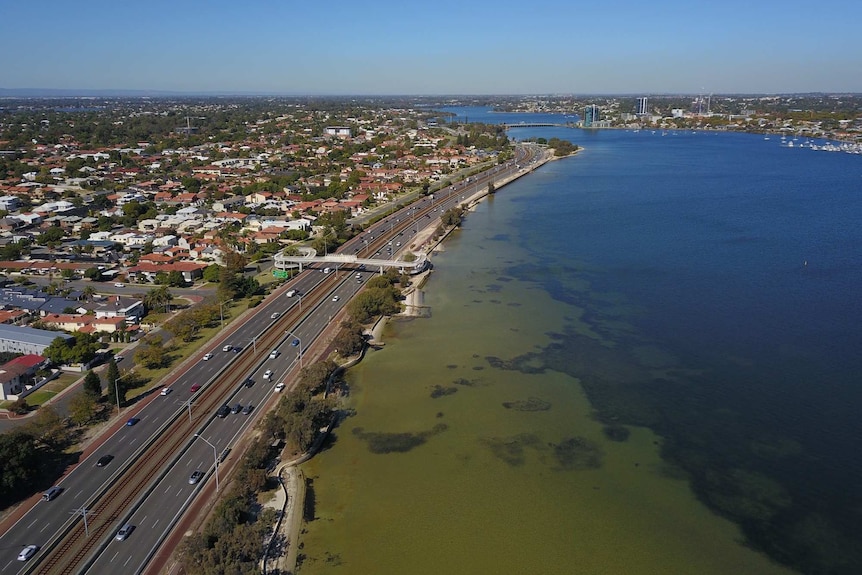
(199, 437)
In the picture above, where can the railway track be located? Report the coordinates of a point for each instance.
(72, 549)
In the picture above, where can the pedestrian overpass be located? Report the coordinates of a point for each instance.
(283, 263)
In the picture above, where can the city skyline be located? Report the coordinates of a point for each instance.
(388, 48)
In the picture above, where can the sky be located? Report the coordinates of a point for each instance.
(456, 47)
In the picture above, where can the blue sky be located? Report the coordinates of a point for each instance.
(440, 47)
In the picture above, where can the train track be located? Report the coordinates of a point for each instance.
(74, 546)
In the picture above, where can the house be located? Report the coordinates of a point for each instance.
(27, 340)
(129, 309)
(17, 375)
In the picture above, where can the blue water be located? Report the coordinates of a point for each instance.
(740, 259)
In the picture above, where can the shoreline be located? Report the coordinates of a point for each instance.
(413, 307)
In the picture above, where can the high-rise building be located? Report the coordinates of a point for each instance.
(591, 115)
(643, 108)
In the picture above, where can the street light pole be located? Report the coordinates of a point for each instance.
(215, 457)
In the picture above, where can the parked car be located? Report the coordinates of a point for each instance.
(104, 460)
(124, 532)
(27, 552)
(196, 476)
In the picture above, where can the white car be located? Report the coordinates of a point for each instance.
(274, 354)
(208, 356)
(27, 552)
(279, 386)
(336, 298)
(227, 348)
(267, 374)
(166, 391)
(118, 284)
(274, 315)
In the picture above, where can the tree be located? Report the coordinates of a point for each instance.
(19, 464)
(93, 384)
(82, 408)
(152, 354)
(94, 274)
(212, 273)
(158, 298)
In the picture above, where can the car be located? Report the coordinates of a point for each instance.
(247, 409)
(208, 356)
(223, 411)
(279, 386)
(132, 421)
(236, 408)
(104, 460)
(195, 387)
(196, 476)
(291, 293)
(124, 532)
(294, 343)
(267, 374)
(119, 284)
(359, 276)
(52, 493)
(224, 454)
(274, 315)
(274, 354)
(118, 358)
(248, 382)
(335, 298)
(166, 391)
(228, 347)
(27, 552)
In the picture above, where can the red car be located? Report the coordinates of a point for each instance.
(195, 387)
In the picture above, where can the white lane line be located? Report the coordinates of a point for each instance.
(78, 494)
(127, 561)
(32, 524)
(179, 493)
(46, 526)
(156, 523)
(115, 556)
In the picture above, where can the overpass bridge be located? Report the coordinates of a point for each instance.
(536, 125)
(283, 263)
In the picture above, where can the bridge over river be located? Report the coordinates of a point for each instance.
(539, 125)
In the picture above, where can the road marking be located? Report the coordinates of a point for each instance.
(47, 524)
(115, 556)
(144, 519)
(127, 561)
(156, 523)
(180, 492)
(78, 494)
(32, 524)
